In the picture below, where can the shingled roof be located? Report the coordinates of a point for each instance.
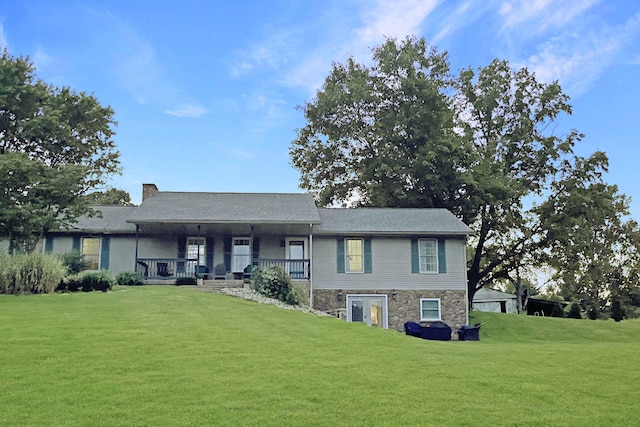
(110, 220)
(190, 207)
(390, 221)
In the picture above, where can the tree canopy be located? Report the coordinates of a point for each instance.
(55, 145)
(405, 132)
(111, 196)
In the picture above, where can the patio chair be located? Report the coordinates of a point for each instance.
(247, 272)
(220, 272)
(163, 270)
(202, 272)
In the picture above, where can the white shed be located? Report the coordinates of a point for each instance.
(495, 301)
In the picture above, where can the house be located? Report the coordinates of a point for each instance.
(379, 266)
(493, 301)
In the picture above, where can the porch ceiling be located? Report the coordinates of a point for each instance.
(225, 229)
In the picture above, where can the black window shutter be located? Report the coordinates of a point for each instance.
(209, 242)
(442, 256)
(340, 256)
(182, 252)
(76, 243)
(255, 250)
(48, 244)
(226, 248)
(104, 253)
(368, 262)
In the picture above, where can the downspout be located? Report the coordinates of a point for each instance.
(311, 266)
(466, 281)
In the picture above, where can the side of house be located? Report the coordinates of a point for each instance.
(385, 267)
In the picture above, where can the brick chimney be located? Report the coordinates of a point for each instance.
(149, 190)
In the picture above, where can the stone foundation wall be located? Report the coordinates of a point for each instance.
(404, 307)
(302, 290)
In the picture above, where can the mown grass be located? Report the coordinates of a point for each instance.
(173, 356)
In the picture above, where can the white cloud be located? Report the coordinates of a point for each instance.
(579, 57)
(397, 18)
(341, 38)
(271, 53)
(135, 65)
(189, 111)
(542, 14)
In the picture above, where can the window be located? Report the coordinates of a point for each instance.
(428, 253)
(241, 254)
(91, 252)
(354, 255)
(429, 309)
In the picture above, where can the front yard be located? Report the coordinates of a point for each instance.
(161, 355)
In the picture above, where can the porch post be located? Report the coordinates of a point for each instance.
(198, 261)
(310, 266)
(251, 248)
(137, 231)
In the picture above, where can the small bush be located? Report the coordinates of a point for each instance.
(186, 281)
(574, 311)
(30, 273)
(275, 283)
(88, 281)
(128, 279)
(74, 261)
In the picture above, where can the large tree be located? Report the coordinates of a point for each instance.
(384, 135)
(110, 197)
(405, 132)
(55, 146)
(592, 246)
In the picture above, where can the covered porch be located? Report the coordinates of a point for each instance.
(221, 251)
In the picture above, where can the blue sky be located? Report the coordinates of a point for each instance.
(205, 92)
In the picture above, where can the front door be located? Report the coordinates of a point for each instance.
(369, 309)
(295, 251)
(196, 252)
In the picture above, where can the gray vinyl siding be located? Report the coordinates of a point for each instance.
(270, 247)
(122, 254)
(157, 247)
(391, 262)
(62, 244)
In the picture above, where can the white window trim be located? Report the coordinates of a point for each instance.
(423, 319)
(420, 257)
(305, 255)
(346, 256)
(233, 252)
(385, 298)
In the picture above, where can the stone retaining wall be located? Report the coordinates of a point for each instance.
(404, 307)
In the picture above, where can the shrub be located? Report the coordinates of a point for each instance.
(617, 311)
(557, 310)
(275, 283)
(186, 281)
(574, 311)
(128, 279)
(88, 281)
(30, 273)
(74, 261)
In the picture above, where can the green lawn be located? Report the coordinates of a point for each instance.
(173, 356)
